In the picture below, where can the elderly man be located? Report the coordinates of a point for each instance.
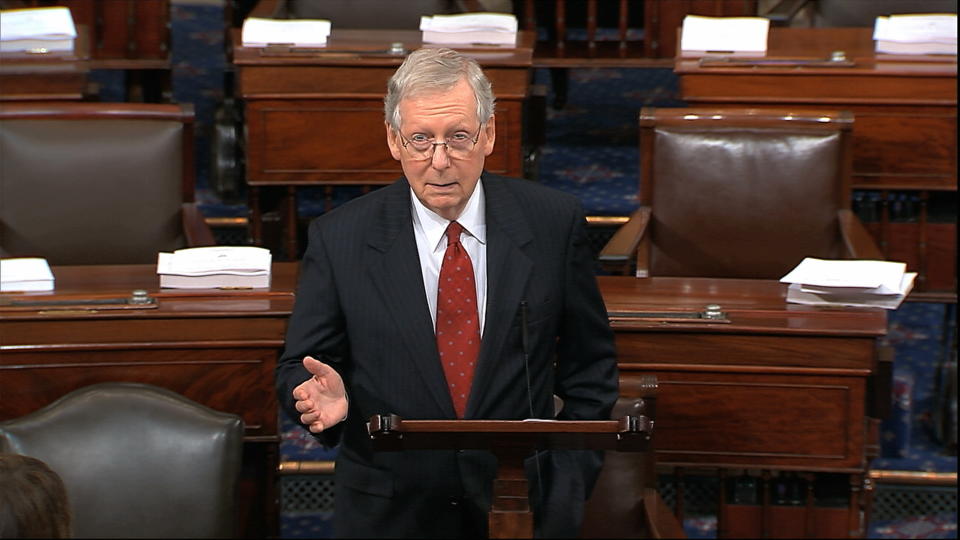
(452, 293)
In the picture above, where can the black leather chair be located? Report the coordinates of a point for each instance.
(740, 193)
(97, 183)
(137, 460)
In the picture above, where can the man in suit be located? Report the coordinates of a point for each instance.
(363, 337)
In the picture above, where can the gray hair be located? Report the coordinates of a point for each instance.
(432, 70)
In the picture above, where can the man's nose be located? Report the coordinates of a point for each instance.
(440, 159)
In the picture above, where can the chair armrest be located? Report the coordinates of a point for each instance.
(195, 228)
(622, 246)
(661, 522)
(856, 239)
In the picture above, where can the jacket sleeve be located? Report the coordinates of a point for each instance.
(316, 328)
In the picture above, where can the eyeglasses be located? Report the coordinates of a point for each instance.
(458, 146)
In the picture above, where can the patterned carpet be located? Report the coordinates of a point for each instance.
(591, 150)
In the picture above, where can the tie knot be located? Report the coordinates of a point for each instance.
(453, 233)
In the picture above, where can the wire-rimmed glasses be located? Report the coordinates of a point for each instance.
(458, 146)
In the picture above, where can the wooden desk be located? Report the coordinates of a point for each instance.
(779, 386)
(60, 75)
(315, 116)
(904, 134)
(218, 348)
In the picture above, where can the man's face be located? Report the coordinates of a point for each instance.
(443, 184)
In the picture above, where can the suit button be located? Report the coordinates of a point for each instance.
(453, 501)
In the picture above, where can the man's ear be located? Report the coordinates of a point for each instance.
(490, 129)
(392, 142)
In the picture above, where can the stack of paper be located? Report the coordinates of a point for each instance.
(259, 32)
(25, 274)
(224, 267)
(916, 34)
(470, 28)
(37, 30)
(857, 283)
(724, 34)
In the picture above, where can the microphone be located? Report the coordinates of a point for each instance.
(525, 348)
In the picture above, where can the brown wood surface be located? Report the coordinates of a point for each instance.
(897, 103)
(316, 118)
(779, 386)
(216, 347)
(776, 387)
(57, 75)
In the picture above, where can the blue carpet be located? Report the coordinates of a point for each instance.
(591, 151)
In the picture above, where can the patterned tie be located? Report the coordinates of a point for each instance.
(458, 330)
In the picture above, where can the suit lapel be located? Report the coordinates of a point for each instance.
(508, 269)
(399, 280)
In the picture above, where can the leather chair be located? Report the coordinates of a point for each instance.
(740, 193)
(137, 460)
(625, 502)
(836, 13)
(98, 183)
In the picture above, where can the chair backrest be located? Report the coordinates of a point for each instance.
(94, 183)
(616, 506)
(137, 460)
(743, 193)
(831, 13)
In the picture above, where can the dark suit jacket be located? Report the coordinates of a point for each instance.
(361, 307)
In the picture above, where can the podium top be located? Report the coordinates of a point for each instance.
(628, 434)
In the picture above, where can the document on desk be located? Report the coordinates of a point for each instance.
(44, 29)
(26, 274)
(261, 32)
(215, 267)
(859, 283)
(470, 28)
(916, 34)
(724, 34)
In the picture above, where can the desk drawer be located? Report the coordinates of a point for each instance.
(823, 353)
(234, 380)
(756, 419)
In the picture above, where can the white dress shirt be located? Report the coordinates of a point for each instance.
(429, 229)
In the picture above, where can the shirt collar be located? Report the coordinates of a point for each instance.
(472, 218)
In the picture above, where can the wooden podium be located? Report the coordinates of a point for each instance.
(511, 441)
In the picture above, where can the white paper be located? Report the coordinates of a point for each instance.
(470, 22)
(733, 34)
(260, 32)
(25, 274)
(37, 23)
(798, 294)
(203, 261)
(881, 277)
(920, 28)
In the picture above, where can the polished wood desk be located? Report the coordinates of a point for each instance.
(781, 387)
(904, 134)
(58, 75)
(775, 386)
(218, 348)
(315, 116)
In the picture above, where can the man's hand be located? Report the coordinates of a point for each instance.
(321, 399)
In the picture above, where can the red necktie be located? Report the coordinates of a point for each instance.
(458, 330)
